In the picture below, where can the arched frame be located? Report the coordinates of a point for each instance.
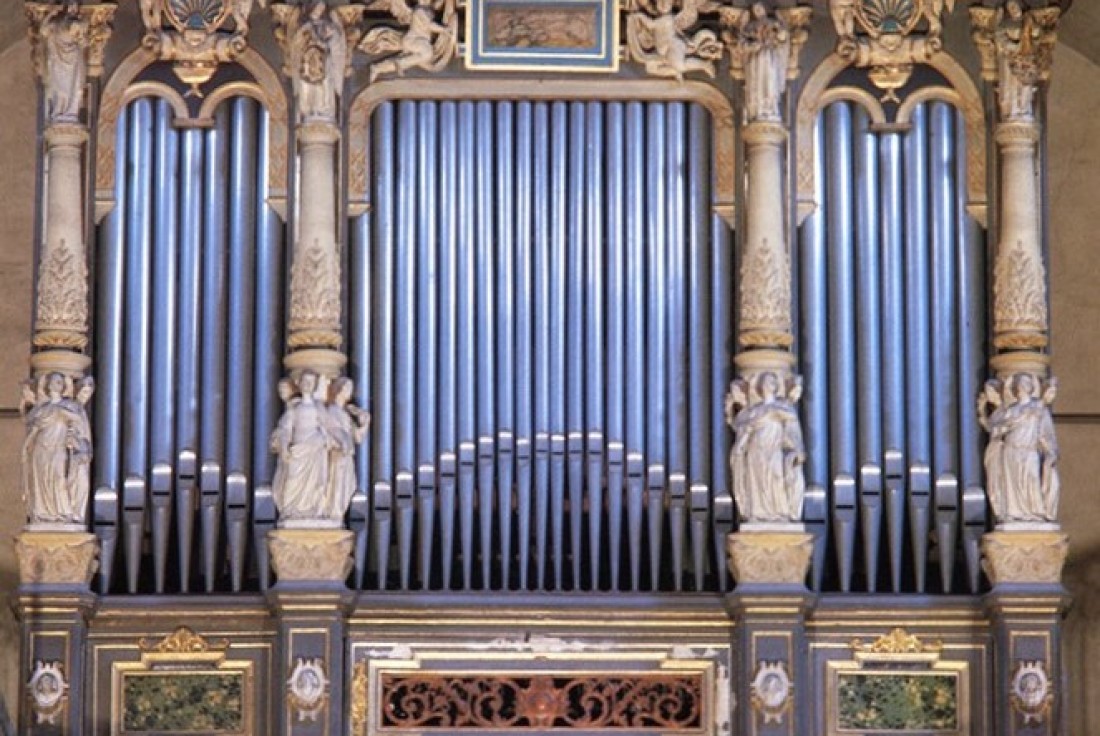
(607, 90)
(963, 94)
(120, 89)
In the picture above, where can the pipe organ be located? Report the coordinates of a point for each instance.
(566, 386)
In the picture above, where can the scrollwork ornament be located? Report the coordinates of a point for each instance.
(47, 691)
(429, 40)
(1031, 692)
(307, 689)
(771, 691)
(659, 35)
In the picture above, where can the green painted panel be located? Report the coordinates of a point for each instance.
(183, 702)
(897, 702)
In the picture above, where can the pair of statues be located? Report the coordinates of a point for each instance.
(1022, 455)
(57, 449)
(315, 442)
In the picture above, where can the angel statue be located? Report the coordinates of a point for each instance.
(348, 426)
(768, 453)
(657, 36)
(302, 442)
(57, 450)
(1022, 455)
(761, 48)
(316, 54)
(427, 44)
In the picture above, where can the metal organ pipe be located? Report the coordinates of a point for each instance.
(616, 335)
(524, 336)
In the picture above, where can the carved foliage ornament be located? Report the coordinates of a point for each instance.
(428, 39)
(887, 37)
(659, 35)
(307, 688)
(1019, 294)
(1017, 49)
(61, 313)
(47, 691)
(898, 642)
(766, 306)
(196, 34)
(182, 641)
(67, 44)
(315, 297)
(764, 52)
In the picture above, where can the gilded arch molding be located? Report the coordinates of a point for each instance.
(963, 94)
(121, 89)
(611, 90)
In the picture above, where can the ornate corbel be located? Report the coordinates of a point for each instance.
(890, 41)
(662, 35)
(196, 39)
(427, 41)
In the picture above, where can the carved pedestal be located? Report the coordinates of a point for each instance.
(769, 608)
(311, 602)
(1027, 605)
(54, 603)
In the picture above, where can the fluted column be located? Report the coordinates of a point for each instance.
(1025, 554)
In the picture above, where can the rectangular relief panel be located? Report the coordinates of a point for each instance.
(184, 702)
(555, 35)
(884, 702)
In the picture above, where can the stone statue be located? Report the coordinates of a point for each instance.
(658, 37)
(346, 434)
(1022, 455)
(315, 441)
(767, 47)
(57, 450)
(64, 65)
(427, 44)
(1016, 92)
(768, 453)
(317, 63)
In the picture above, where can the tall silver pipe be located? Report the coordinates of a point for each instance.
(404, 294)
(721, 373)
(676, 274)
(574, 343)
(382, 252)
(139, 234)
(868, 339)
(269, 320)
(814, 322)
(427, 330)
(448, 345)
(162, 376)
(700, 311)
(594, 333)
(467, 310)
(359, 366)
(486, 342)
(941, 146)
(242, 270)
(842, 364)
(635, 329)
(557, 376)
(616, 333)
(656, 284)
(505, 332)
(542, 218)
(524, 332)
(971, 317)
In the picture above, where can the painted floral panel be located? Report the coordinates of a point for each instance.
(901, 702)
(183, 702)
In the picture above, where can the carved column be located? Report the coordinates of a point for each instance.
(770, 554)
(1024, 556)
(311, 550)
(57, 556)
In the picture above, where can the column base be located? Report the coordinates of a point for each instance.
(1024, 556)
(778, 557)
(57, 558)
(311, 555)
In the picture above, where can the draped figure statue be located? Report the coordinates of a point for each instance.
(1022, 454)
(346, 434)
(768, 452)
(66, 40)
(57, 450)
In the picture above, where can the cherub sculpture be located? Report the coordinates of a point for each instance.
(768, 452)
(659, 36)
(429, 42)
(1022, 455)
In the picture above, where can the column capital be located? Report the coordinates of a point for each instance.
(67, 43)
(764, 53)
(1016, 45)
